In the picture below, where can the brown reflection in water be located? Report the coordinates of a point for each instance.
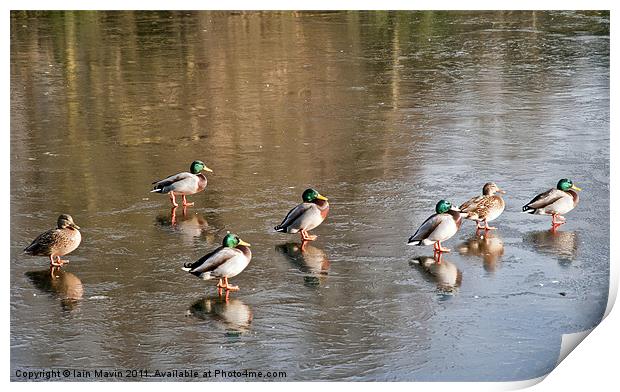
(309, 259)
(190, 224)
(60, 283)
(447, 276)
(555, 242)
(487, 246)
(231, 314)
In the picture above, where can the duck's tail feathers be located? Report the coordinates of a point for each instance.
(280, 228)
(157, 190)
(529, 209)
(187, 266)
(412, 242)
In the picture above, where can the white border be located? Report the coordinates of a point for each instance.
(592, 365)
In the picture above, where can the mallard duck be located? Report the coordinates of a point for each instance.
(225, 262)
(485, 208)
(555, 202)
(438, 227)
(306, 216)
(57, 242)
(184, 183)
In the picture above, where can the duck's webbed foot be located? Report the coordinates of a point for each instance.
(307, 237)
(186, 203)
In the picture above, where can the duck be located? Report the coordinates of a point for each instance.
(305, 216)
(555, 202)
(439, 227)
(485, 208)
(226, 261)
(184, 183)
(62, 240)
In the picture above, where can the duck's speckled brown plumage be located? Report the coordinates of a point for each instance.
(57, 242)
(486, 207)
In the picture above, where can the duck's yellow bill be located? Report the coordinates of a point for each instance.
(242, 242)
(575, 188)
(321, 197)
(207, 169)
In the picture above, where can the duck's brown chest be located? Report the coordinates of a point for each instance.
(202, 182)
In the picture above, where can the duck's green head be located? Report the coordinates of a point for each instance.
(311, 195)
(565, 184)
(443, 206)
(232, 241)
(198, 166)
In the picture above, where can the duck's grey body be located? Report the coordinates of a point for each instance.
(437, 228)
(552, 202)
(305, 216)
(184, 183)
(223, 262)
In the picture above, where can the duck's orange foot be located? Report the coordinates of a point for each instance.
(186, 203)
(57, 262)
(438, 248)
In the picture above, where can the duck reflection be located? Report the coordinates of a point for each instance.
(556, 242)
(231, 314)
(487, 246)
(445, 274)
(190, 225)
(309, 259)
(60, 283)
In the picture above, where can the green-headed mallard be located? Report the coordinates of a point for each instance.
(555, 202)
(485, 208)
(306, 216)
(438, 227)
(184, 183)
(225, 262)
(57, 242)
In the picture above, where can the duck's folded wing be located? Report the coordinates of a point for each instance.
(42, 242)
(173, 178)
(212, 260)
(471, 204)
(426, 228)
(293, 215)
(545, 199)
